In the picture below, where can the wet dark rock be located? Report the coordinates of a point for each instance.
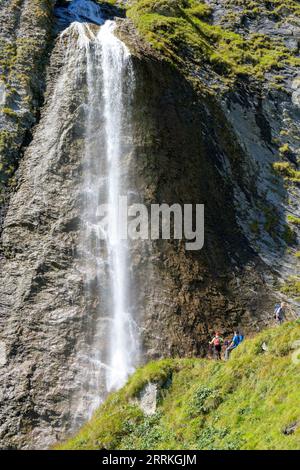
(191, 146)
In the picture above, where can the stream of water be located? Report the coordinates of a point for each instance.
(112, 350)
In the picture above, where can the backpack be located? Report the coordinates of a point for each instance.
(276, 308)
(241, 338)
(279, 313)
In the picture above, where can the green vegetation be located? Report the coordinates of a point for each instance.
(180, 31)
(9, 112)
(7, 148)
(18, 59)
(288, 235)
(276, 10)
(285, 150)
(22, 64)
(286, 170)
(273, 227)
(294, 220)
(249, 402)
(272, 219)
(292, 287)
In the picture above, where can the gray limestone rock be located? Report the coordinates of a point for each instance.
(188, 147)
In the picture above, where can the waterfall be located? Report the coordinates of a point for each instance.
(115, 63)
(110, 352)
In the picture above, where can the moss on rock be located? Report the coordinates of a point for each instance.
(180, 31)
(288, 171)
(292, 286)
(23, 57)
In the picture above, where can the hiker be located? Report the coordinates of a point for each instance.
(236, 340)
(216, 342)
(279, 313)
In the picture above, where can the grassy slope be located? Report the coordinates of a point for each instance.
(245, 403)
(181, 30)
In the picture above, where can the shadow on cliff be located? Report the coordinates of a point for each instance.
(187, 153)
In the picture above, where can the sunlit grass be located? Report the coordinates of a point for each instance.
(245, 403)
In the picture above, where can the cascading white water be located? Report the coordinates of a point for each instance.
(115, 62)
(111, 350)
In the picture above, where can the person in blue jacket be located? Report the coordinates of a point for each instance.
(236, 340)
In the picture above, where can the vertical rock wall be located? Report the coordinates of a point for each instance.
(190, 147)
(25, 40)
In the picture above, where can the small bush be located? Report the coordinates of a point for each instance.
(294, 220)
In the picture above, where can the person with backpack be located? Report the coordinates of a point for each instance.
(216, 342)
(279, 313)
(236, 340)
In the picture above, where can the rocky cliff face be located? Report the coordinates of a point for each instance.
(25, 42)
(40, 302)
(229, 143)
